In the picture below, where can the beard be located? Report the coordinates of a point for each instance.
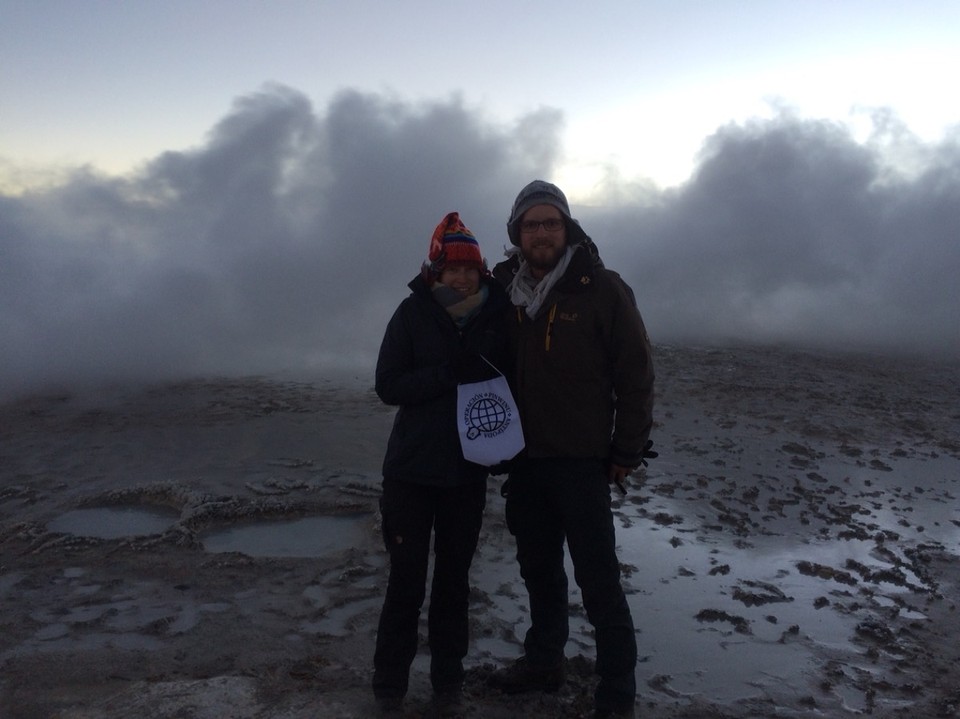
(544, 258)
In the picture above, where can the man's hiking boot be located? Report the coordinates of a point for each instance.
(390, 707)
(625, 713)
(446, 704)
(522, 676)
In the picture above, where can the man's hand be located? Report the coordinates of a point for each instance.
(618, 475)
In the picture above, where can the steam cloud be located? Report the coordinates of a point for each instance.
(287, 239)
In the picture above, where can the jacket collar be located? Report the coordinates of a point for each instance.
(578, 277)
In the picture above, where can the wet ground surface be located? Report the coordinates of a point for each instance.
(214, 546)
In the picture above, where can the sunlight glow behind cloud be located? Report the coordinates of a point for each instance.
(639, 85)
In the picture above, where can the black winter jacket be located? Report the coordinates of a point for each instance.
(422, 358)
(582, 369)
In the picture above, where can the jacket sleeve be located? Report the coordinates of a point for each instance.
(633, 378)
(403, 375)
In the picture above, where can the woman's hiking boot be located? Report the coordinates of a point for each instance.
(523, 676)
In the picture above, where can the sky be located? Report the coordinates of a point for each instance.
(212, 186)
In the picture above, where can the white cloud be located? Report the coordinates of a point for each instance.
(288, 238)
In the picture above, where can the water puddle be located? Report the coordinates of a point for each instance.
(721, 618)
(306, 537)
(114, 522)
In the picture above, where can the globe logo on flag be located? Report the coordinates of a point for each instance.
(488, 422)
(486, 414)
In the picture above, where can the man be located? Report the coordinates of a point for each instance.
(583, 379)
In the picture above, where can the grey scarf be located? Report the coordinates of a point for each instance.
(526, 291)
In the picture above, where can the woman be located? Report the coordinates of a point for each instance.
(438, 337)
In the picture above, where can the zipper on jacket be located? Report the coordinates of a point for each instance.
(553, 313)
(550, 318)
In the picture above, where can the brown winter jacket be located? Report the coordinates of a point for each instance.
(583, 374)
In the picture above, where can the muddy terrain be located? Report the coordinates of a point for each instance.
(211, 548)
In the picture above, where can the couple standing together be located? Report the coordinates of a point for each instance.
(567, 334)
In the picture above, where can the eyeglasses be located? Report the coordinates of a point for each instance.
(551, 225)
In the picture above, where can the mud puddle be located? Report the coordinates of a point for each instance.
(304, 537)
(114, 522)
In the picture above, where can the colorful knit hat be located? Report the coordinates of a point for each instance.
(453, 244)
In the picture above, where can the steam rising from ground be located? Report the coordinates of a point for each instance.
(286, 240)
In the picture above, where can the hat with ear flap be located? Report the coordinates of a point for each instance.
(452, 244)
(540, 192)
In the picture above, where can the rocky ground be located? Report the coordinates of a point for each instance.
(211, 549)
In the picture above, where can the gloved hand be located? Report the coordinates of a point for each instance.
(501, 468)
(648, 453)
(617, 473)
